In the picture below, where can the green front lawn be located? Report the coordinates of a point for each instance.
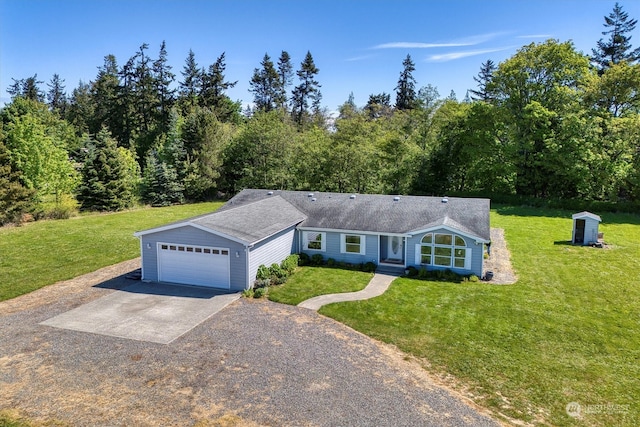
(568, 331)
(44, 252)
(308, 282)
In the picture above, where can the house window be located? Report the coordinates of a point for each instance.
(314, 241)
(443, 250)
(352, 244)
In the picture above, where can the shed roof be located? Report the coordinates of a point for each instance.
(585, 214)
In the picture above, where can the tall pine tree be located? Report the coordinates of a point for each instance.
(307, 90)
(483, 93)
(406, 88)
(617, 47)
(265, 85)
(285, 78)
(191, 83)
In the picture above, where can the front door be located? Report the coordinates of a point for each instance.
(395, 248)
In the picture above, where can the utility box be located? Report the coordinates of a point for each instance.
(585, 228)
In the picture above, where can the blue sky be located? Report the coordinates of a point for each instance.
(357, 45)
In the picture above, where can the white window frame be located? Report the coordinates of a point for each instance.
(306, 241)
(455, 247)
(362, 244)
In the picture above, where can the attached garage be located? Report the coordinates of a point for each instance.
(193, 265)
(222, 249)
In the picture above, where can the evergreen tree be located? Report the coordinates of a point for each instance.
(307, 90)
(191, 83)
(56, 96)
(617, 47)
(265, 85)
(28, 88)
(104, 95)
(105, 179)
(81, 108)
(285, 78)
(213, 91)
(160, 183)
(484, 82)
(163, 78)
(378, 105)
(15, 199)
(406, 88)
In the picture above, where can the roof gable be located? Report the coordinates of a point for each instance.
(247, 224)
(585, 214)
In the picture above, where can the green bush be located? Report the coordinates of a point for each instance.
(369, 267)
(248, 293)
(263, 272)
(276, 270)
(317, 259)
(331, 262)
(423, 274)
(260, 292)
(303, 259)
(262, 283)
(412, 271)
(290, 263)
(474, 278)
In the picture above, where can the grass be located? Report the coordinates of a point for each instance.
(308, 282)
(44, 252)
(568, 331)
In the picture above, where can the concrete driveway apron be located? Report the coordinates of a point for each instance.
(151, 312)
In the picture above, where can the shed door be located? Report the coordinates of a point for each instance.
(193, 265)
(579, 236)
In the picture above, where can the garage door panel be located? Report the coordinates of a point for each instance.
(193, 265)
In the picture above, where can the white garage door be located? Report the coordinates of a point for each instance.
(193, 265)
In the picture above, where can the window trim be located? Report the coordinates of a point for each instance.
(344, 243)
(306, 241)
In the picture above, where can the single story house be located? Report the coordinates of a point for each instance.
(224, 249)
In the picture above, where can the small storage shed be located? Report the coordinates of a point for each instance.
(585, 228)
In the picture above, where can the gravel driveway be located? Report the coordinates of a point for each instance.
(254, 363)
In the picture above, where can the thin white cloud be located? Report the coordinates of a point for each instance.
(413, 45)
(466, 41)
(536, 36)
(359, 58)
(459, 55)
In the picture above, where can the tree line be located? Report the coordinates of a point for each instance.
(549, 122)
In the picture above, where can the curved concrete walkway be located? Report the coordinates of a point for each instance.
(377, 286)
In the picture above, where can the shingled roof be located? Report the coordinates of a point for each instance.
(371, 212)
(253, 215)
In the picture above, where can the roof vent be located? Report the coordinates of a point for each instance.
(270, 193)
(445, 199)
(313, 199)
(353, 196)
(396, 199)
(310, 195)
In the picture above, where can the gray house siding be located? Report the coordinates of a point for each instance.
(189, 235)
(271, 250)
(477, 254)
(333, 249)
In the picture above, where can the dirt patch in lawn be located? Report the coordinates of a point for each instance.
(499, 262)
